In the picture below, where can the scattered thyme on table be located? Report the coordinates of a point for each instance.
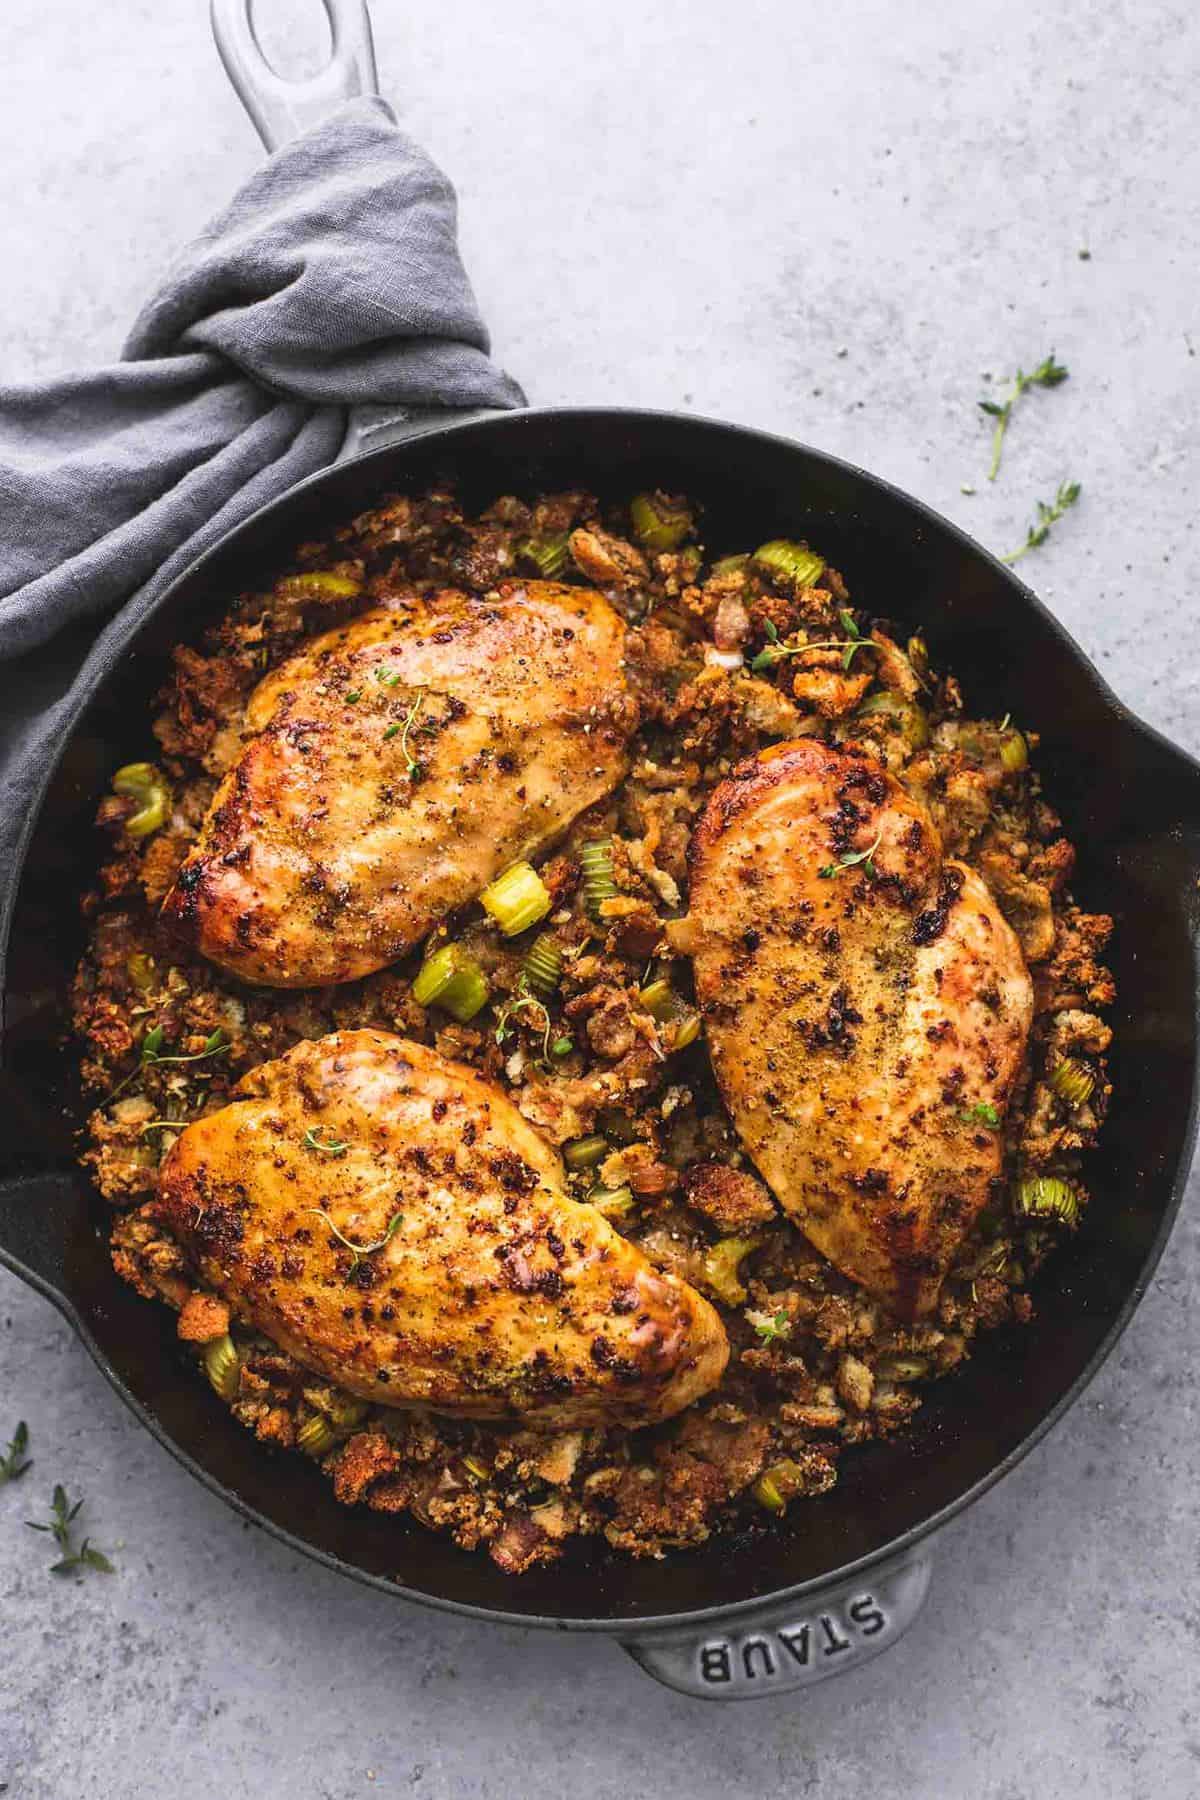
(59, 1528)
(1048, 374)
(14, 1463)
(1048, 515)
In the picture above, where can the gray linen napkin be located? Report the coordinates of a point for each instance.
(332, 280)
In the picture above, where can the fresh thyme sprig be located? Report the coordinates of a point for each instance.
(411, 764)
(59, 1527)
(855, 639)
(505, 1014)
(14, 1463)
(215, 1044)
(162, 1125)
(771, 1327)
(1048, 374)
(524, 1001)
(1068, 493)
(865, 857)
(331, 1147)
(359, 1251)
(775, 652)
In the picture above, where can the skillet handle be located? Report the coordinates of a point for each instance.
(282, 109)
(780, 1648)
(379, 427)
(39, 1216)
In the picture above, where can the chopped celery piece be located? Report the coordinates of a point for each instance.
(517, 899)
(1073, 1082)
(795, 563)
(721, 1268)
(666, 1007)
(316, 1435)
(223, 1366)
(731, 565)
(143, 783)
(596, 861)
(659, 523)
(543, 965)
(1014, 752)
(140, 969)
(585, 1152)
(1048, 1197)
(614, 1203)
(549, 555)
(910, 720)
(452, 979)
(779, 1484)
(659, 1000)
(325, 584)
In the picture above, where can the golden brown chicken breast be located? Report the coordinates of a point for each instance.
(389, 1218)
(397, 765)
(867, 1009)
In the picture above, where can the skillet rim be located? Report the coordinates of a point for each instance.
(897, 1549)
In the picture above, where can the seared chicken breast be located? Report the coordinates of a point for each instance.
(389, 1219)
(395, 766)
(867, 1008)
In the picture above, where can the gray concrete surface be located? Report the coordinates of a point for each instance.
(695, 205)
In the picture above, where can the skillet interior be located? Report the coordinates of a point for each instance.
(1131, 803)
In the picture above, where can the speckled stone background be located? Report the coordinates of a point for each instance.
(836, 222)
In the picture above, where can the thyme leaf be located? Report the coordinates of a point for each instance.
(12, 1467)
(59, 1528)
(774, 652)
(1048, 374)
(331, 1146)
(215, 1044)
(1048, 515)
(412, 767)
(983, 1113)
(401, 728)
(771, 1327)
(359, 1251)
(865, 857)
(524, 1001)
(855, 638)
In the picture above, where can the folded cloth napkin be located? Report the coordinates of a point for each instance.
(331, 281)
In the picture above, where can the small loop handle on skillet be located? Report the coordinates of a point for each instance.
(781, 1647)
(379, 427)
(281, 109)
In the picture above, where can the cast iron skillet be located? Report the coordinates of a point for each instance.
(845, 1573)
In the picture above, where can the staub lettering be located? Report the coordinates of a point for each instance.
(715, 1664)
(775, 1649)
(803, 1643)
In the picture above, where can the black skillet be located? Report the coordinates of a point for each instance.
(845, 1574)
